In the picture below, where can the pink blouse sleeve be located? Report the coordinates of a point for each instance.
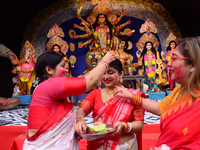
(61, 87)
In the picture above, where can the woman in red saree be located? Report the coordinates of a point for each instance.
(179, 111)
(51, 117)
(118, 111)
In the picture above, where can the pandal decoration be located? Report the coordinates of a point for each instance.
(72, 60)
(25, 68)
(94, 2)
(147, 27)
(71, 47)
(80, 6)
(102, 40)
(150, 74)
(72, 33)
(54, 34)
(171, 37)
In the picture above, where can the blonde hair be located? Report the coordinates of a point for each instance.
(190, 48)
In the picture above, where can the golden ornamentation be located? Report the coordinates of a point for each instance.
(108, 91)
(71, 47)
(72, 60)
(159, 61)
(72, 33)
(94, 2)
(121, 80)
(54, 34)
(147, 27)
(171, 37)
(140, 72)
(158, 70)
(61, 5)
(130, 45)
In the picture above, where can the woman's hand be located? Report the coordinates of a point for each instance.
(120, 126)
(81, 127)
(108, 57)
(123, 92)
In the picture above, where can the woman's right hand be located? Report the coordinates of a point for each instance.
(81, 127)
(108, 57)
(123, 92)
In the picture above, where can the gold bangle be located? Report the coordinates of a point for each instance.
(125, 126)
(80, 118)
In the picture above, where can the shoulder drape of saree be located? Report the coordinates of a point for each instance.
(118, 109)
(180, 124)
(53, 119)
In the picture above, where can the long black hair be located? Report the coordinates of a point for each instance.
(145, 49)
(106, 20)
(51, 59)
(168, 47)
(116, 64)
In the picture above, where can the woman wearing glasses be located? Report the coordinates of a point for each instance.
(179, 121)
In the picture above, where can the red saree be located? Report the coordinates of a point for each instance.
(118, 109)
(180, 122)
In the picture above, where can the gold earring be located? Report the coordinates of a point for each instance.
(121, 80)
(50, 73)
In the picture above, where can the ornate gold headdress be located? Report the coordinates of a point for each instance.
(147, 27)
(171, 37)
(101, 8)
(54, 34)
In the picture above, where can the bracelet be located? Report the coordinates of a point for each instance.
(104, 62)
(80, 118)
(125, 126)
(137, 100)
(130, 126)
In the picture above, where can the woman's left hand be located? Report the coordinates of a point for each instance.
(119, 127)
(123, 92)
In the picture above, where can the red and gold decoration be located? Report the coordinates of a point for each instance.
(55, 34)
(25, 68)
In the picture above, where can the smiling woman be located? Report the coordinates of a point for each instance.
(179, 111)
(51, 116)
(109, 109)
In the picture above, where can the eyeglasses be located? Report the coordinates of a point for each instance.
(175, 57)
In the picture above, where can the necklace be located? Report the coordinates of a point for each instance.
(109, 91)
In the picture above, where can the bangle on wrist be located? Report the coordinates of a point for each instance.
(137, 100)
(130, 126)
(104, 62)
(80, 118)
(125, 126)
